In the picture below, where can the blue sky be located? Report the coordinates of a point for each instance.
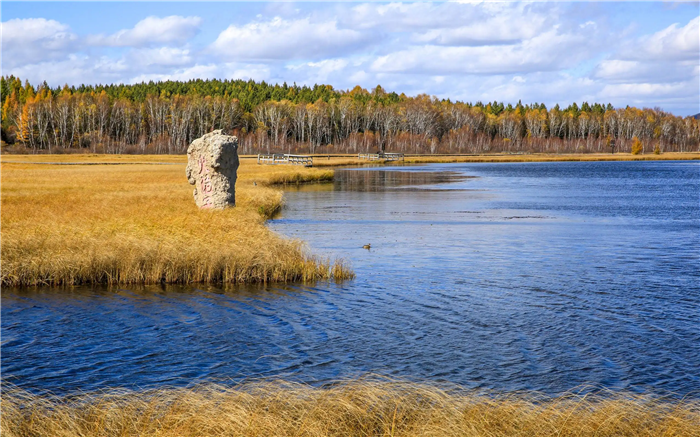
(638, 53)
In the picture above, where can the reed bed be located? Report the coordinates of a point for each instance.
(321, 161)
(137, 223)
(352, 160)
(549, 157)
(362, 407)
(93, 158)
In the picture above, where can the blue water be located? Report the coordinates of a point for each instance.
(538, 276)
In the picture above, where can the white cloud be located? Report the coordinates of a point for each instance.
(644, 90)
(626, 71)
(358, 77)
(163, 56)
(320, 72)
(74, 70)
(544, 52)
(287, 39)
(195, 72)
(655, 70)
(25, 41)
(152, 31)
(547, 51)
(404, 17)
(247, 71)
(490, 29)
(209, 71)
(671, 43)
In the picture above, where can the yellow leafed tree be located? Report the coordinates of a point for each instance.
(637, 146)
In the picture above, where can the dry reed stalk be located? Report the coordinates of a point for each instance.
(351, 160)
(92, 158)
(547, 157)
(344, 160)
(75, 224)
(362, 407)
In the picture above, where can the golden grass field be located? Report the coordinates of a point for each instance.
(351, 160)
(544, 157)
(362, 407)
(137, 223)
(346, 159)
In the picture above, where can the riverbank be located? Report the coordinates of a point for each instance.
(337, 160)
(363, 407)
(545, 157)
(137, 223)
(341, 160)
(353, 160)
(118, 219)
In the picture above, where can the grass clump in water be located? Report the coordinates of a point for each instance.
(137, 223)
(364, 407)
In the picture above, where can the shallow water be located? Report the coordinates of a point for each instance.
(539, 276)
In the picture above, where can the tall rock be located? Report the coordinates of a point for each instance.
(212, 165)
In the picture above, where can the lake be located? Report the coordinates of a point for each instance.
(522, 276)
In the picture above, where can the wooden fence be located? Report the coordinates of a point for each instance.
(306, 161)
(381, 156)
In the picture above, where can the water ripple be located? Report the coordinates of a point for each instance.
(529, 276)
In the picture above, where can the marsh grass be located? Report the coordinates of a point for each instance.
(137, 223)
(362, 407)
(548, 157)
(322, 161)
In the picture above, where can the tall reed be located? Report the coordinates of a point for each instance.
(137, 223)
(551, 157)
(362, 407)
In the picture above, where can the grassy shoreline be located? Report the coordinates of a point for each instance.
(537, 157)
(333, 160)
(352, 160)
(359, 407)
(137, 224)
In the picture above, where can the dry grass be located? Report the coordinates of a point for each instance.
(91, 158)
(352, 160)
(137, 223)
(365, 407)
(321, 161)
(548, 157)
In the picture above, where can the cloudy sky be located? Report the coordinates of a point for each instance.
(645, 54)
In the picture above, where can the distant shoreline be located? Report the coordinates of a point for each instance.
(334, 160)
(547, 157)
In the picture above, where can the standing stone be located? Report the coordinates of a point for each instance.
(212, 163)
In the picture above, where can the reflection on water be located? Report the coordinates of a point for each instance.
(385, 180)
(529, 276)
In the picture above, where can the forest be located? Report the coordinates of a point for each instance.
(164, 117)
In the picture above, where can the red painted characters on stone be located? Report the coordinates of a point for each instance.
(205, 183)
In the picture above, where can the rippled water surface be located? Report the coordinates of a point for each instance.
(507, 276)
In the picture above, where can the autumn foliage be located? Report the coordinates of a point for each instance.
(637, 146)
(164, 117)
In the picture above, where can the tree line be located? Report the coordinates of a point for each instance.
(164, 117)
